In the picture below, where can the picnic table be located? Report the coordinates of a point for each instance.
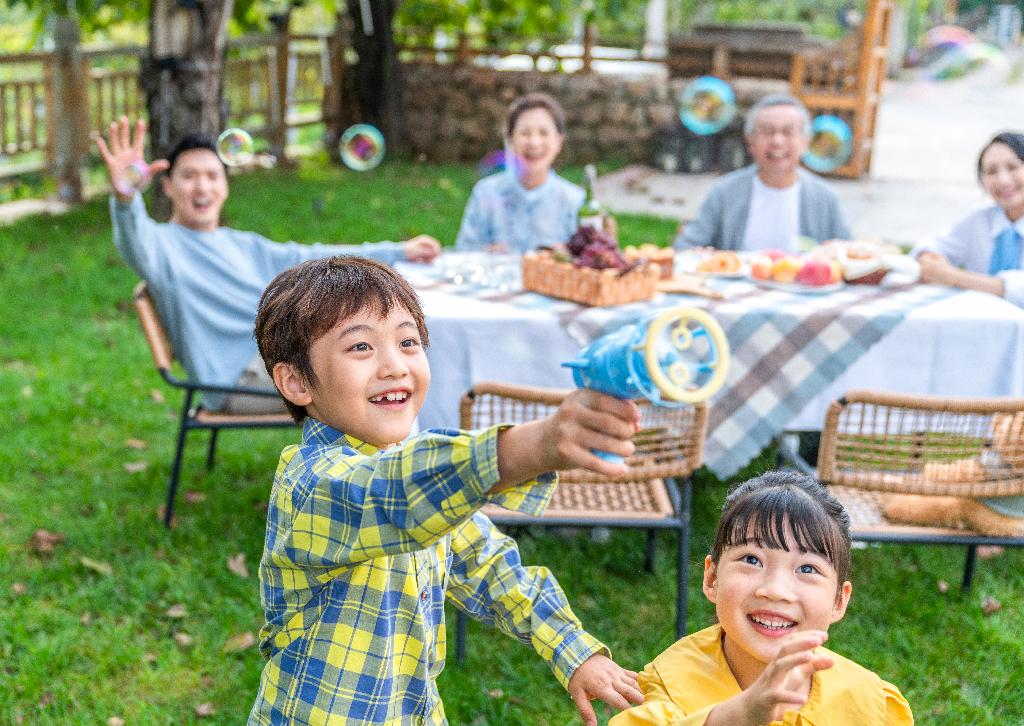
(792, 353)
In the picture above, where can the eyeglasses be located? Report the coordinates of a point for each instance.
(788, 132)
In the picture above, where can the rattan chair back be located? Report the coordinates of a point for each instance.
(926, 445)
(668, 445)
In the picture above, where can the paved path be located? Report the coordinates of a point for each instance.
(923, 173)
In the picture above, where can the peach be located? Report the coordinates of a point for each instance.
(816, 272)
(786, 268)
(761, 267)
(837, 272)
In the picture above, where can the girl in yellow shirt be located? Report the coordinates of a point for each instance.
(777, 576)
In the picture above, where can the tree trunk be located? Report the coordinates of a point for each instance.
(378, 80)
(183, 75)
(69, 111)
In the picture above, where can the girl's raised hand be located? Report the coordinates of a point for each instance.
(783, 686)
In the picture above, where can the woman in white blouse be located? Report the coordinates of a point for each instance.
(983, 250)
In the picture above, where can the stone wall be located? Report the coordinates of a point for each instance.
(456, 113)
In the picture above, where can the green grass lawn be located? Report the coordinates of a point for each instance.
(92, 631)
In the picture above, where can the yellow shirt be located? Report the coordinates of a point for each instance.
(685, 682)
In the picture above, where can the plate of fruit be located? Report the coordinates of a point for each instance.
(715, 263)
(807, 274)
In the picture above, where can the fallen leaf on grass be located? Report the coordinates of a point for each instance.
(495, 693)
(987, 552)
(943, 586)
(115, 721)
(19, 588)
(134, 467)
(195, 497)
(135, 443)
(242, 641)
(157, 395)
(183, 639)
(176, 611)
(99, 566)
(149, 657)
(46, 700)
(161, 510)
(27, 391)
(237, 565)
(85, 619)
(204, 709)
(43, 541)
(3, 517)
(990, 605)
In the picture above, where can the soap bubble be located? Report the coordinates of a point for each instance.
(235, 147)
(831, 144)
(133, 178)
(707, 105)
(499, 160)
(362, 147)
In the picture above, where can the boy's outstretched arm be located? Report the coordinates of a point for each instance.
(586, 420)
(602, 678)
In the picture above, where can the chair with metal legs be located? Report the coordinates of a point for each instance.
(653, 495)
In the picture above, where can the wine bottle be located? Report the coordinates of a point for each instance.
(591, 214)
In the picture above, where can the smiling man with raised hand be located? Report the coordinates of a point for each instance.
(772, 202)
(206, 280)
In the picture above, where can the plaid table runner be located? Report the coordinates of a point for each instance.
(786, 348)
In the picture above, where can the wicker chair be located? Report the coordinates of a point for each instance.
(193, 416)
(654, 494)
(875, 443)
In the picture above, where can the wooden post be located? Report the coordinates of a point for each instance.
(68, 114)
(279, 91)
(589, 38)
(334, 88)
(462, 50)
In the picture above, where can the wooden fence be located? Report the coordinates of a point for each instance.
(274, 82)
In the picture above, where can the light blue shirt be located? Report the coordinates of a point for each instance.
(501, 210)
(969, 244)
(207, 285)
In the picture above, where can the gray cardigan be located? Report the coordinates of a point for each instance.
(722, 219)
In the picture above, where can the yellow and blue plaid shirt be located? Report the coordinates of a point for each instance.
(363, 546)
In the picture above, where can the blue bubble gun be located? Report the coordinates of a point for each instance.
(673, 358)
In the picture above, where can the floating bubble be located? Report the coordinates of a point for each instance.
(133, 178)
(947, 35)
(362, 147)
(831, 144)
(235, 147)
(956, 61)
(707, 105)
(500, 160)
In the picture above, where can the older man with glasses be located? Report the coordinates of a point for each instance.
(773, 202)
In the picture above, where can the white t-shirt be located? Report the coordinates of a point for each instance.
(774, 219)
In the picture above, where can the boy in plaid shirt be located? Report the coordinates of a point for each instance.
(368, 533)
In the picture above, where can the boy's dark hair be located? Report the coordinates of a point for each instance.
(1014, 140)
(190, 142)
(529, 102)
(304, 302)
(762, 509)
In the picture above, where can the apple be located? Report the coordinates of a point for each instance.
(837, 271)
(774, 253)
(816, 271)
(786, 268)
(761, 266)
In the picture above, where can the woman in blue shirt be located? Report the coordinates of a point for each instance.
(527, 205)
(983, 250)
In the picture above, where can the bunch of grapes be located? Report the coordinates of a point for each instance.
(593, 248)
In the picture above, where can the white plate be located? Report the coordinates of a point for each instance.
(797, 287)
